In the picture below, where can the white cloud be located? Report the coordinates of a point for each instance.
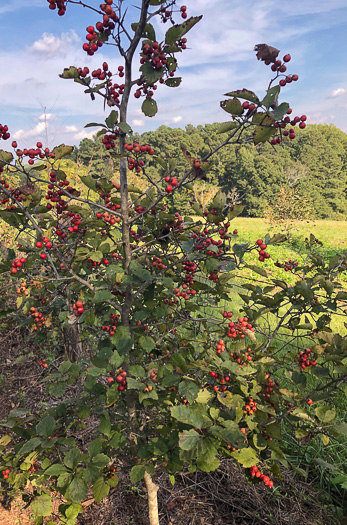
(53, 46)
(71, 129)
(46, 116)
(177, 119)
(338, 92)
(83, 134)
(18, 134)
(138, 122)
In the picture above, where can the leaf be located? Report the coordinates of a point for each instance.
(73, 511)
(191, 416)
(137, 371)
(112, 395)
(177, 31)
(232, 106)
(245, 94)
(93, 125)
(173, 82)
(72, 458)
(133, 384)
(151, 75)
(100, 489)
(42, 505)
(246, 456)
(266, 52)
(105, 426)
(271, 96)
(5, 157)
(101, 296)
(341, 428)
(46, 426)
(280, 111)
(55, 470)
(123, 126)
(29, 446)
(149, 107)
(113, 482)
(77, 490)
(148, 31)
(257, 269)
(227, 126)
(146, 343)
(277, 238)
(263, 133)
(137, 473)
(112, 119)
(189, 390)
(70, 72)
(100, 460)
(62, 150)
(325, 414)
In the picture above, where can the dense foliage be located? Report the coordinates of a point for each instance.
(315, 164)
(172, 377)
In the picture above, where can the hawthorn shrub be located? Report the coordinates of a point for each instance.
(173, 377)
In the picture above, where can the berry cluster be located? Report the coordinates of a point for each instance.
(43, 363)
(290, 265)
(255, 473)
(158, 263)
(250, 407)
(306, 359)
(58, 4)
(240, 358)
(269, 387)
(139, 151)
(111, 329)
(6, 473)
(213, 277)
(4, 134)
(172, 183)
(205, 239)
(78, 308)
(262, 253)
(239, 328)
(38, 318)
(221, 380)
(55, 195)
(109, 139)
(96, 36)
(220, 346)
(17, 264)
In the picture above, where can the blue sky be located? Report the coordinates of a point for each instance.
(36, 44)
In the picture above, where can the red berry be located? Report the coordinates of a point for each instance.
(286, 58)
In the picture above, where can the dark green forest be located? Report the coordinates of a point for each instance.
(314, 166)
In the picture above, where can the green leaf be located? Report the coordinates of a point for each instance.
(257, 269)
(227, 126)
(173, 82)
(177, 31)
(102, 296)
(100, 489)
(148, 31)
(113, 482)
(246, 456)
(146, 343)
(73, 511)
(189, 390)
(149, 107)
(132, 384)
(188, 440)
(70, 72)
(191, 416)
(77, 490)
(245, 94)
(271, 96)
(325, 414)
(93, 125)
(123, 126)
(95, 447)
(46, 426)
(137, 371)
(232, 106)
(42, 505)
(62, 150)
(29, 446)
(100, 460)
(5, 158)
(263, 132)
(280, 111)
(72, 458)
(341, 428)
(152, 75)
(112, 395)
(137, 473)
(112, 119)
(105, 426)
(55, 470)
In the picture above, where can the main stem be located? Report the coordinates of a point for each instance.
(131, 398)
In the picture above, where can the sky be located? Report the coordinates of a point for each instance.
(36, 45)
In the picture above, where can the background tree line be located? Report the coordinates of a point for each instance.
(313, 167)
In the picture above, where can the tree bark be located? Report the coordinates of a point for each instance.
(73, 346)
(152, 496)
